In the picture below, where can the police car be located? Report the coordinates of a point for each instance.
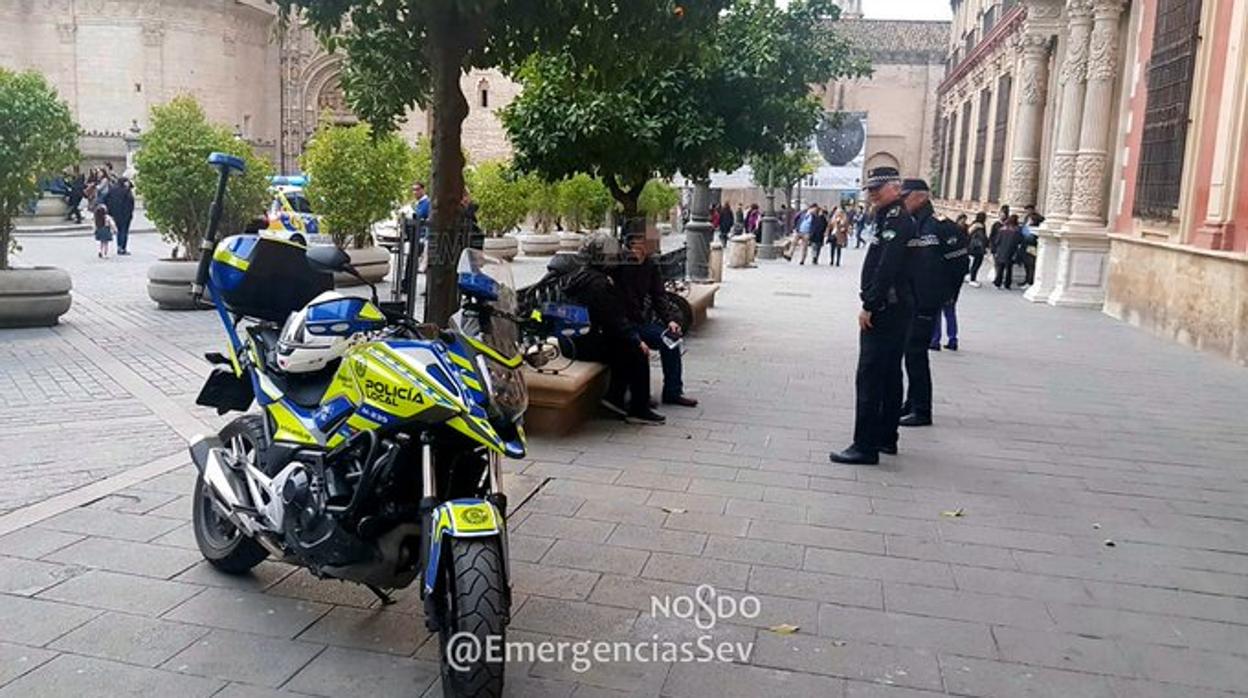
(290, 216)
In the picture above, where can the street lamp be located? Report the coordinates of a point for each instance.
(698, 233)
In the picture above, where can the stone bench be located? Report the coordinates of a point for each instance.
(560, 402)
(700, 298)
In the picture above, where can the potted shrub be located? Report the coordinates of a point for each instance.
(544, 205)
(356, 178)
(502, 199)
(40, 137)
(583, 204)
(177, 186)
(657, 200)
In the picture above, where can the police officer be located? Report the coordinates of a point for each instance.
(887, 309)
(930, 276)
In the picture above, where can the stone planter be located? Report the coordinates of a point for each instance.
(33, 297)
(169, 284)
(373, 263)
(536, 245)
(503, 248)
(570, 242)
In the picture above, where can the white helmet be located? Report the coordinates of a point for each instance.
(300, 351)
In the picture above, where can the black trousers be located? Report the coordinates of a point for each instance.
(918, 369)
(878, 383)
(1029, 266)
(977, 260)
(630, 369)
(1005, 274)
(836, 254)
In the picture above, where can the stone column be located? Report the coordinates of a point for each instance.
(770, 223)
(1088, 196)
(1033, 80)
(1072, 79)
(698, 233)
(1083, 252)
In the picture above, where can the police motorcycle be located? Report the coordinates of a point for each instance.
(375, 455)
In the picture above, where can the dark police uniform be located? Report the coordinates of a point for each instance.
(887, 294)
(931, 291)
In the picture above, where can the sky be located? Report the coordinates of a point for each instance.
(906, 9)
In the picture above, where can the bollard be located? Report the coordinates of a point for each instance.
(717, 262)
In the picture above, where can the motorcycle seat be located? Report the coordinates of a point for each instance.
(305, 389)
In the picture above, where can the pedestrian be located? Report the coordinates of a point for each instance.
(818, 232)
(1028, 248)
(738, 220)
(978, 245)
(887, 306)
(120, 204)
(713, 217)
(861, 218)
(77, 189)
(805, 223)
(1004, 249)
(103, 187)
(840, 235)
(955, 246)
(727, 219)
(929, 279)
(105, 228)
(753, 221)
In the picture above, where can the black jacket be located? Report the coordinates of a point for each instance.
(608, 310)
(927, 259)
(1004, 243)
(120, 203)
(643, 293)
(818, 228)
(955, 244)
(885, 271)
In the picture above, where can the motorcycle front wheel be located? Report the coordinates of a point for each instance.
(475, 603)
(220, 542)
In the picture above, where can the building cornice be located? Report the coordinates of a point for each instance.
(1008, 25)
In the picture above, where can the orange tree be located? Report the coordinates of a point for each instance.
(401, 54)
(745, 91)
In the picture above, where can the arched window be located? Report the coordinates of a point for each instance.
(483, 93)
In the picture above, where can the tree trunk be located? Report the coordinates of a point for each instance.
(448, 236)
(628, 219)
(6, 233)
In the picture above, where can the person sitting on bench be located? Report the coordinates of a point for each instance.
(648, 309)
(613, 338)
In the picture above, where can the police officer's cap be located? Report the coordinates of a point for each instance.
(880, 176)
(909, 186)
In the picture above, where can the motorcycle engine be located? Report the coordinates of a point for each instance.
(308, 527)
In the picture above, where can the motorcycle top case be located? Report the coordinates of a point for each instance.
(264, 277)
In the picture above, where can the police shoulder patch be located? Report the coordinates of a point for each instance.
(888, 235)
(893, 212)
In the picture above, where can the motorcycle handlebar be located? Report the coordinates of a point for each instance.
(224, 164)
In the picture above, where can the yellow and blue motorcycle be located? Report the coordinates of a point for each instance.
(382, 465)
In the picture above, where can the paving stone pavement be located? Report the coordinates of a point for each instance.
(1057, 432)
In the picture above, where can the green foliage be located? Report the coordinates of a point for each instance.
(502, 197)
(747, 92)
(782, 170)
(657, 198)
(178, 185)
(583, 202)
(38, 137)
(355, 179)
(543, 198)
(422, 162)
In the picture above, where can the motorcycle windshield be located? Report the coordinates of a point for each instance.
(497, 330)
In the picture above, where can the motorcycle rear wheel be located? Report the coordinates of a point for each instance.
(219, 541)
(476, 604)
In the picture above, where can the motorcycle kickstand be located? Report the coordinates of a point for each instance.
(386, 599)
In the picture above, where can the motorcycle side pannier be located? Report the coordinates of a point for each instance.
(265, 278)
